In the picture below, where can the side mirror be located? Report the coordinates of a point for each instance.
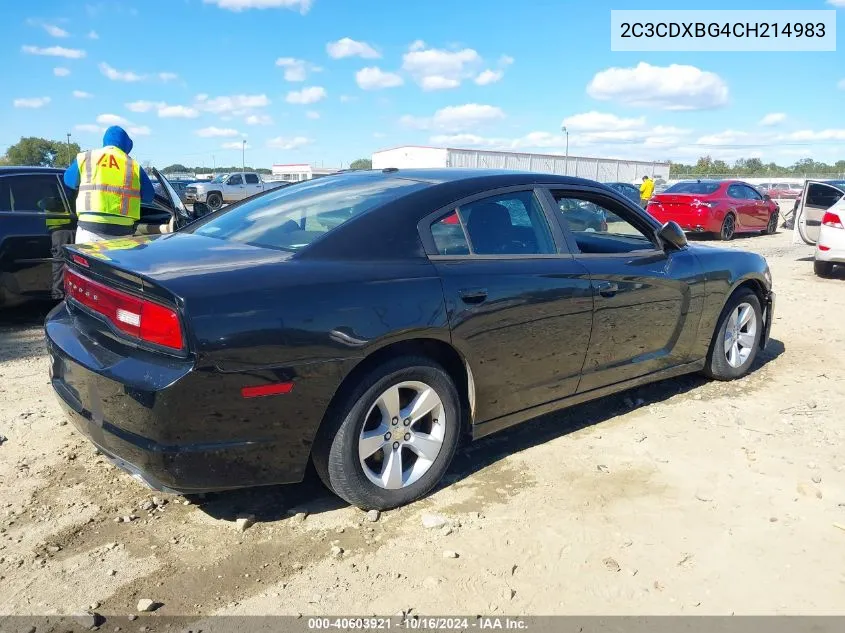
(767, 197)
(673, 234)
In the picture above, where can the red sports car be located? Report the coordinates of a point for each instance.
(723, 207)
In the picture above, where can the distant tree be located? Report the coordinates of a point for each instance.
(361, 163)
(175, 168)
(34, 151)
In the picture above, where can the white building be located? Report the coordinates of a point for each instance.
(601, 169)
(295, 172)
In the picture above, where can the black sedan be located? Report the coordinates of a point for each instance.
(368, 321)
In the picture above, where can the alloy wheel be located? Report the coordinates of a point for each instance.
(402, 435)
(740, 335)
(728, 227)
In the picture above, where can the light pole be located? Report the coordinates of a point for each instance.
(69, 157)
(565, 131)
(243, 155)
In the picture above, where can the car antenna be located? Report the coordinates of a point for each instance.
(389, 170)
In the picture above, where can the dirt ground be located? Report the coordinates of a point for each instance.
(684, 497)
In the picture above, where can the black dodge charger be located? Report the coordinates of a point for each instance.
(369, 320)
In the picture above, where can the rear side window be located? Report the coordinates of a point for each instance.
(449, 237)
(251, 179)
(701, 188)
(291, 218)
(31, 193)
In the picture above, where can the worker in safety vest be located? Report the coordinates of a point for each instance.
(60, 227)
(646, 191)
(111, 188)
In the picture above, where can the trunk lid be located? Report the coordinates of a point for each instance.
(169, 266)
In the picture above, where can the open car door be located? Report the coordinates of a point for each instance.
(166, 204)
(816, 198)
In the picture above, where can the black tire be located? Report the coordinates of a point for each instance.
(214, 201)
(823, 269)
(717, 365)
(728, 230)
(335, 452)
(772, 226)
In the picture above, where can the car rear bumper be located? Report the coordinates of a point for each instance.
(177, 429)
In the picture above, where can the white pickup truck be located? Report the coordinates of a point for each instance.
(228, 188)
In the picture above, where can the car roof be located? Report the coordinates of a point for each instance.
(23, 169)
(443, 175)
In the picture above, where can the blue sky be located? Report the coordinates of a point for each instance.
(329, 81)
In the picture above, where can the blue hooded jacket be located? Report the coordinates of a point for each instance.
(115, 136)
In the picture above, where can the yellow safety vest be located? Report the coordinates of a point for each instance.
(99, 249)
(109, 187)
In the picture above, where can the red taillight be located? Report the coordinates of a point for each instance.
(824, 248)
(145, 320)
(832, 220)
(267, 390)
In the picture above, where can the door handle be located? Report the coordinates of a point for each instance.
(608, 289)
(474, 295)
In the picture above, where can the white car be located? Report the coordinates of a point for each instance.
(830, 249)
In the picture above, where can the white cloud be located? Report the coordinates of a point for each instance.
(81, 94)
(464, 140)
(60, 71)
(438, 82)
(33, 102)
(821, 135)
(259, 119)
(92, 35)
(379, 135)
(117, 75)
(347, 47)
(489, 77)
(438, 69)
(836, 3)
(138, 130)
(599, 121)
(54, 51)
(773, 119)
(673, 87)
(296, 69)
(374, 78)
(288, 143)
(456, 118)
(177, 112)
(311, 114)
(506, 60)
(236, 145)
(242, 5)
(726, 138)
(111, 119)
(234, 104)
(346, 99)
(165, 77)
(417, 45)
(841, 84)
(89, 127)
(144, 106)
(216, 132)
(306, 95)
(55, 31)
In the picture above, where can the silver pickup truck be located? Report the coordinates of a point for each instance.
(228, 188)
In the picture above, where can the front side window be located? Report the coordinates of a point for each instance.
(751, 194)
(507, 224)
(290, 218)
(600, 227)
(236, 180)
(31, 193)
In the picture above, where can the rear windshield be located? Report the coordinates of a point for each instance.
(694, 187)
(291, 218)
